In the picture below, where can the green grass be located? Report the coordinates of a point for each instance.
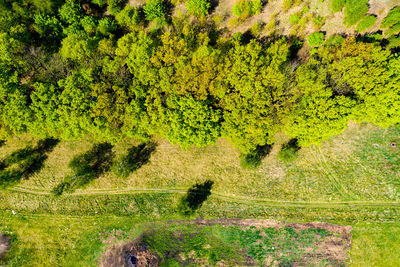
(358, 166)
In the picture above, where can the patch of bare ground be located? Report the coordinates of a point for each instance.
(4, 245)
(128, 255)
(333, 248)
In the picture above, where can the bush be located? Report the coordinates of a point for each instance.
(334, 40)
(289, 151)
(395, 29)
(287, 4)
(394, 42)
(252, 160)
(337, 5)
(246, 8)
(198, 7)
(315, 39)
(366, 23)
(392, 18)
(154, 10)
(129, 17)
(294, 18)
(354, 11)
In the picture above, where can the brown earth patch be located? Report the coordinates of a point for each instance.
(129, 255)
(4, 245)
(334, 247)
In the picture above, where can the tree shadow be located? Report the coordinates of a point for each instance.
(195, 197)
(252, 160)
(136, 157)
(28, 161)
(289, 151)
(2, 142)
(87, 167)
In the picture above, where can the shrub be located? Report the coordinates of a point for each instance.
(252, 160)
(334, 40)
(129, 17)
(315, 39)
(287, 4)
(318, 21)
(106, 26)
(354, 11)
(257, 28)
(392, 18)
(246, 8)
(366, 23)
(294, 18)
(395, 29)
(289, 151)
(154, 10)
(337, 5)
(198, 7)
(394, 42)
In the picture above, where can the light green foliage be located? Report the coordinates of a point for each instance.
(366, 23)
(48, 26)
(394, 30)
(76, 48)
(192, 122)
(154, 10)
(319, 114)
(106, 26)
(294, 18)
(198, 7)
(392, 18)
(246, 8)
(315, 39)
(74, 108)
(334, 40)
(354, 11)
(128, 17)
(287, 4)
(250, 82)
(337, 5)
(89, 24)
(71, 12)
(45, 102)
(394, 42)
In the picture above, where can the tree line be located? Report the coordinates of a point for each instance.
(69, 69)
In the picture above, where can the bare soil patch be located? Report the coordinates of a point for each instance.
(4, 245)
(334, 248)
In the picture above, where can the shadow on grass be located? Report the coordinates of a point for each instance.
(289, 151)
(28, 161)
(252, 160)
(136, 157)
(87, 167)
(195, 197)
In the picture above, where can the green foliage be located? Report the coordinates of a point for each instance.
(289, 151)
(394, 42)
(198, 7)
(246, 8)
(154, 10)
(48, 26)
(315, 39)
(294, 18)
(354, 11)
(366, 23)
(335, 40)
(337, 5)
(252, 160)
(395, 29)
(106, 26)
(71, 12)
(392, 18)
(128, 17)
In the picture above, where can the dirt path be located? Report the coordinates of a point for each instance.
(238, 199)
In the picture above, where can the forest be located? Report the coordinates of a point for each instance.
(111, 70)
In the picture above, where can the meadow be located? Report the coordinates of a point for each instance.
(359, 188)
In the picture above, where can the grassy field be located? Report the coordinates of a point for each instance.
(352, 179)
